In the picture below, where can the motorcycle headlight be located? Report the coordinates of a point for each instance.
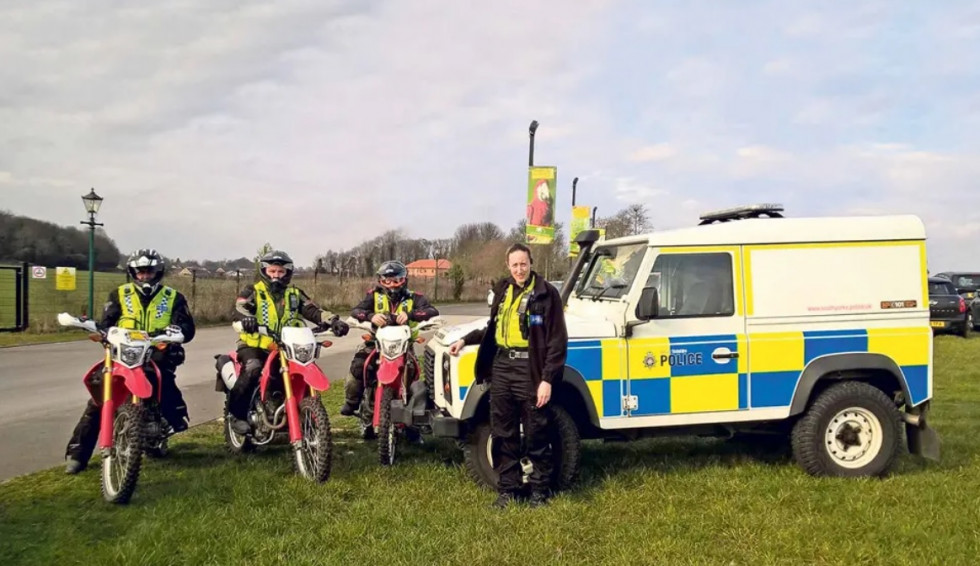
(393, 349)
(131, 355)
(304, 354)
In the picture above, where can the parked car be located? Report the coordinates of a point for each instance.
(948, 312)
(966, 283)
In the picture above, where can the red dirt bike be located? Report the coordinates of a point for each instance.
(288, 397)
(397, 369)
(130, 418)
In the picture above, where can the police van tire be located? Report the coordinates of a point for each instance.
(852, 429)
(566, 449)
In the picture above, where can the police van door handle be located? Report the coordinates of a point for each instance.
(729, 355)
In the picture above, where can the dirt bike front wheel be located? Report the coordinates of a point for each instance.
(121, 464)
(313, 458)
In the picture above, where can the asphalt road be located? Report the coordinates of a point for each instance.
(42, 396)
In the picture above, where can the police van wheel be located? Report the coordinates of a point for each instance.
(565, 449)
(852, 429)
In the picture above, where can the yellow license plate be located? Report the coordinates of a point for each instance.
(137, 335)
(938, 324)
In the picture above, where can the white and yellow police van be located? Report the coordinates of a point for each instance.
(814, 328)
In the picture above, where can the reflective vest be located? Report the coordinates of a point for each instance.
(267, 314)
(382, 305)
(154, 318)
(509, 315)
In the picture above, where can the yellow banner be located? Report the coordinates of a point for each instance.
(580, 221)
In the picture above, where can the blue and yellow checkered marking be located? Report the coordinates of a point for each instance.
(696, 382)
(778, 359)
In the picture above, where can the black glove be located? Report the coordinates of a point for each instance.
(339, 327)
(250, 325)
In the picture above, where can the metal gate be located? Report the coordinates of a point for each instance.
(14, 279)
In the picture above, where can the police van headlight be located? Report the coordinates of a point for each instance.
(304, 354)
(131, 355)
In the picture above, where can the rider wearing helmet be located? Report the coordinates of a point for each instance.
(142, 304)
(391, 296)
(274, 302)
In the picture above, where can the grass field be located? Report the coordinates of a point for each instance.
(676, 501)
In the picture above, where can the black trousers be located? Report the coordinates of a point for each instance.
(252, 361)
(512, 402)
(172, 407)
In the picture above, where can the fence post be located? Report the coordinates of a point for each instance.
(193, 288)
(238, 281)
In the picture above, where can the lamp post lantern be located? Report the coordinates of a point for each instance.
(92, 203)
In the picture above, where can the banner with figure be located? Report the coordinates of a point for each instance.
(580, 221)
(541, 189)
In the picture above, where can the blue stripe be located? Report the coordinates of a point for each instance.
(917, 378)
(773, 388)
(653, 396)
(743, 390)
(823, 342)
(462, 392)
(586, 357)
(612, 398)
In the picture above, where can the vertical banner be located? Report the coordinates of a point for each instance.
(541, 190)
(580, 221)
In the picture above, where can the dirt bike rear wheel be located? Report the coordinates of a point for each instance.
(121, 466)
(387, 432)
(314, 459)
(234, 442)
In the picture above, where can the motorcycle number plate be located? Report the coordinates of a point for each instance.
(137, 335)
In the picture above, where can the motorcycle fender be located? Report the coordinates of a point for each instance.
(312, 374)
(389, 370)
(134, 379)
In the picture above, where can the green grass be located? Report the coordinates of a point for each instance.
(669, 501)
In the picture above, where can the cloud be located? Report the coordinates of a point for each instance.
(657, 152)
(316, 125)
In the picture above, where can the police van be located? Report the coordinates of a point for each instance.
(812, 328)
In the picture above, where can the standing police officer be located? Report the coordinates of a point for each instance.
(523, 348)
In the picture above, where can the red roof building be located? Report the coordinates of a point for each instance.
(427, 267)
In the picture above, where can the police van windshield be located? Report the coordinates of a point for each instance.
(612, 266)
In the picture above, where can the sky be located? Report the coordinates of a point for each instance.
(213, 126)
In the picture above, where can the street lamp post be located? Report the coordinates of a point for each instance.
(92, 203)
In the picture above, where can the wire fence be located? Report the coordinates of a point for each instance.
(212, 299)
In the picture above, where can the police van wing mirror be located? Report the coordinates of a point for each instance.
(649, 305)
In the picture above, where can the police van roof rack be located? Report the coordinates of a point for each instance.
(741, 213)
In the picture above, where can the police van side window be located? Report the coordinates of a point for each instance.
(693, 285)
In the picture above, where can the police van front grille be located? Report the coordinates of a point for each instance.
(428, 368)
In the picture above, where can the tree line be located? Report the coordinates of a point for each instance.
(475, 250)
(45, 243)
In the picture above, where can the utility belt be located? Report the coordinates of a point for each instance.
(512, 353)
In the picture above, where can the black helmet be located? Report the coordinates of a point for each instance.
(276, 257)
(392, 275)
(142, 260)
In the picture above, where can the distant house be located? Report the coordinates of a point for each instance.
(426, 268)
